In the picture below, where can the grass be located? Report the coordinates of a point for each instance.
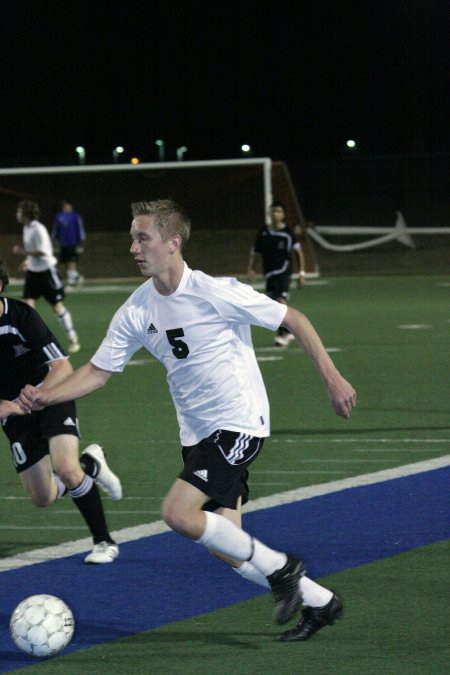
(392, 337)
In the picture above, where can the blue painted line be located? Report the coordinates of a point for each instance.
(165, 578)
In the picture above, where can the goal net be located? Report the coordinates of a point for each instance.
(227, 201)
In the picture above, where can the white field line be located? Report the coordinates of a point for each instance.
(147, 530)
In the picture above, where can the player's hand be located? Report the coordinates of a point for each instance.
(32, 399)
(17, 250)
(342, 397)
(300, 281)
(8, 408)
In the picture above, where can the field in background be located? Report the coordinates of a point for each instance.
(226, 252)
(389, 336)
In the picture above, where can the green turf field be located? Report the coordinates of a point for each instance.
(389, 336)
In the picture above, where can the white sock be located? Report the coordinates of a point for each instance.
(65, 319)
(250, 573)
(313, 594)
(60, 485)
(225, 537)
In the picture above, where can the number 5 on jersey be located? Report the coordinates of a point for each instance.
(180, 348)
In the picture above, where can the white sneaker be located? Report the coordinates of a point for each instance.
(104, 552)
(282, 341)
(290, 337)
(74, 347)
(107, 480)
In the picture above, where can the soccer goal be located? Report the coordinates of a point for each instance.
(227, 200)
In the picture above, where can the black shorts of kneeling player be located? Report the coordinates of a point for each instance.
(277, 286)
(218, 467)
(28, 434)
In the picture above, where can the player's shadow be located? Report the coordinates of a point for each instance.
(240, 640)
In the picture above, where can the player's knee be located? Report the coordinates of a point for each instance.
(70, 474)
(177, 519)
(42, 499)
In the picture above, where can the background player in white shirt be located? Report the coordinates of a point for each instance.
(198, 327)
(41, 273)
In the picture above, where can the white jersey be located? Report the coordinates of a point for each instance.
(201, 335)
(37, 238)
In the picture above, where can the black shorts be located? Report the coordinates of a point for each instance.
(68, 254)
(278, 286)
(28, 434)
(47, 284)
(217, 466)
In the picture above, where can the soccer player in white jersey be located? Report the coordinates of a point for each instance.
(40, 267)
(198, 327)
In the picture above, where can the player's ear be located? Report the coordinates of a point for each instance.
(175, 243)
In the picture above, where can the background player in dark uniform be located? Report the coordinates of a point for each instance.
(68, 232)
(276, 244)
(45, 444)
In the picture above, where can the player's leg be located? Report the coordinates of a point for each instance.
(281, 285)
(210, 474)
(321, 605)
(41, 484)
(65, 319)
(53, 292)
(31, 291)
(85, 495)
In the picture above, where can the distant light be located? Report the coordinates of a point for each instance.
(161, 149)
(245, 147)
(180, 152)
(134, 160)
(351, 143)
(118, 150)
(81, 152)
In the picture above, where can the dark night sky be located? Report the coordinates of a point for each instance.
(294, 82)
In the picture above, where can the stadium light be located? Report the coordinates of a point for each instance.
(351, 144)
(134, 160)
(161, 149)
(180, 152)
(245, 147)
(118, 150)
(81, 152)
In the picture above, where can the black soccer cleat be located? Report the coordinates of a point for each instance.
(286, 590)
(313, 619)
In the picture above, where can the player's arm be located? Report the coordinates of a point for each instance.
(81, 382)
(59, 370)
(251, 262)
(341, 393)
(301, 266)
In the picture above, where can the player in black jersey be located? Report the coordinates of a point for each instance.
(44, 444)
(276, 244)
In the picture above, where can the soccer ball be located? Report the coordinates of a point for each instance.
(42, 625)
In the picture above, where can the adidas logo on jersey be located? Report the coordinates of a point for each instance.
(68, 422)
(202, 473)
(152, 329)
(19, 350)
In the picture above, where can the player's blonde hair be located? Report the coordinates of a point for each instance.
(169, 217)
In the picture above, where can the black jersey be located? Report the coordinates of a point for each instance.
(26, 347)
(275, 248)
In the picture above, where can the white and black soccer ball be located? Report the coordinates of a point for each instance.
(42, 625)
